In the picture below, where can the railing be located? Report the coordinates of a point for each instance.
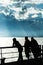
(14, 53)
(6, 53)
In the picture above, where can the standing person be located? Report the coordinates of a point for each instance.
(35, 48)
(27, 46)
(20, 49)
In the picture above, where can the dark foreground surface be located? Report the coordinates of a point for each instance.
(26, 62)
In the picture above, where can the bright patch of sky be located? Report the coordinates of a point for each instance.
(21, 9)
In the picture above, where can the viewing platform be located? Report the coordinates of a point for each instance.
(25, 61)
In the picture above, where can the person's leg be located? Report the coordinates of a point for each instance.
(35, 55)
(27, 55)
(33, 52)
(20, 56)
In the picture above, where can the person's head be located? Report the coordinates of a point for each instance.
(32, 38)
(14, 39)
(26, 38)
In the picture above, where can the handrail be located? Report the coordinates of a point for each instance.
(7, 47)
(9, 52)
(12, 52)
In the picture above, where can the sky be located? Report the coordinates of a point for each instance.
(21, 16)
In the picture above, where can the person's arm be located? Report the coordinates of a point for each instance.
(14, 44)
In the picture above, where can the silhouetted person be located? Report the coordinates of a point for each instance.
(20, 49)
(27, 46)
(2, 61)
(35, 48)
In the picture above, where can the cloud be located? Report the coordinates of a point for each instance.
(25, 14)
(34, 1)
(37, 1)
(42, 12)
(34, 16)
(5, 2)
(19, 9)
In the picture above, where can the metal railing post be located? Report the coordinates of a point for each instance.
(1, 53)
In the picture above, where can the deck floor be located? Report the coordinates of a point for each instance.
(26, 62)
